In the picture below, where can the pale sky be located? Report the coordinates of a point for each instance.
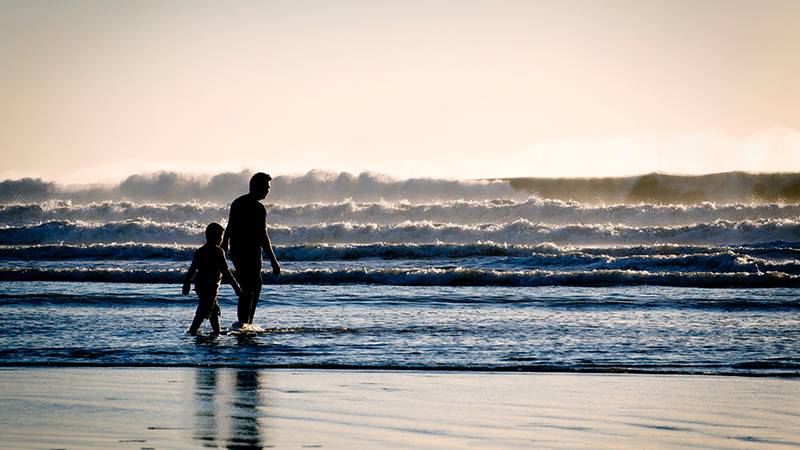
(97, 90)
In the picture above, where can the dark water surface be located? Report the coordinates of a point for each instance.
(600, 329)
(486, 277)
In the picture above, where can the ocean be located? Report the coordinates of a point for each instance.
(640, 275)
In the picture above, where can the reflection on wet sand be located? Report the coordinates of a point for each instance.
(226, 409)
(101, 408)
(205, 429)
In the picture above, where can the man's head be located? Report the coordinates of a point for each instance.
(260, 184)
(214, 233)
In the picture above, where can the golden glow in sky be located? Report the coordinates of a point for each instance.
(95, 90)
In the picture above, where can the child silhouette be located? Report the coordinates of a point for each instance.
(210, 266)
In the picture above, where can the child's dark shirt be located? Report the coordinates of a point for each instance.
(209, 262)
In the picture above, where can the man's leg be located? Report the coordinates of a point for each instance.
(241, 312)
(256, 293)
(250, 282)
(248, 274)
(243, 307)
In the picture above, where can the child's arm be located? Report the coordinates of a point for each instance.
(187, 280)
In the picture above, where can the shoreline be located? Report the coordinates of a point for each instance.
(398, 369)
(169, 407)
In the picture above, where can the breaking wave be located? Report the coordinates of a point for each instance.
(434, 277)
(517, 232)
(456, 211)
(772, 257)
(61, 231)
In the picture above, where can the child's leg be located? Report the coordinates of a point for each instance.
(198, 320)
(213, 316)
(214, 323)
(204, 305)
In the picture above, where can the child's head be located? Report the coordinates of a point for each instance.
(214, 233)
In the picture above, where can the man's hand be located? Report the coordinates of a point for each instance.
(276, 269)
(186, 288)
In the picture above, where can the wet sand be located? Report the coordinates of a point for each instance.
(237, 408)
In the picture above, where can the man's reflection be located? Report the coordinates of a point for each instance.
(221, 400)
(245, 429)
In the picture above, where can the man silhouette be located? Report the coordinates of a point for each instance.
(246, 234)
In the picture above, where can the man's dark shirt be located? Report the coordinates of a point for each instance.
(247, 229)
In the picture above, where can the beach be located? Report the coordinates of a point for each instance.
(242, 408)
(483, 318)
(399, 225)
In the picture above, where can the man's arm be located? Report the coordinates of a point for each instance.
(226, 236)
(266, 244)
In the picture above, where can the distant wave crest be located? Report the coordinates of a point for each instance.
(314, 186)
(321, 186)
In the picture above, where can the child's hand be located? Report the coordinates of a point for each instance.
(276, 269)
(186, 288)
(237, 290)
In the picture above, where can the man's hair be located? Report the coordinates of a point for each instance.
(258, 180)
(214, 231)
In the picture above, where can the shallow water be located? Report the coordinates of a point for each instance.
(639, 329)
(483, 284)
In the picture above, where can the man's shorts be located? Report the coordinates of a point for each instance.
(248, 271)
